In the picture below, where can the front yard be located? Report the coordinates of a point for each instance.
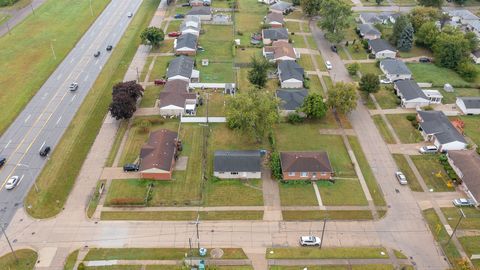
(342, 192)
(370, 68)
(386, 98)
(233, 192)
(472, 127)
(150, 96)
(432, 172)
(404, 129)
(471, 244)
(297, 194)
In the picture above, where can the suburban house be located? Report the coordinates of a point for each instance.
(475, 55)
(237, 164)
(181, 68)
(279, 51)
(157, 156)
(435, 127)
(368, 31)
(274, 20)
(291, 99)
(375, 17)
(395, 69)
(268, 2)
(290, 74)
(186, 44)
(381, 48)
(191, 24)
(306, 166)
(434, 96)
(281, 7)
(466, 164)
(274, 34)
(474, 26)
(176, 100)
(410, 94)
(469, 105)
(203, 12)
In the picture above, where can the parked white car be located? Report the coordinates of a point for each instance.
(386, 81)
(12, 182)
(310, 241)
(429, 149)
(328, 65)
(463, 202)
(401, 178)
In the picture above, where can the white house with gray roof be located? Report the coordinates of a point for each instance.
(203, 12)
(395, 69)
(381, 49)
(368, 31)
(281, 7)
(237, 164)
(290, 74)
(291, 99)
(376, 17)
(410, 94)
(186, 44)
(181, 68)
(435, 127)
(274, 34)
(469, 105)
(191, 24)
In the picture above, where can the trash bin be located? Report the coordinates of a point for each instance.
(202, 252)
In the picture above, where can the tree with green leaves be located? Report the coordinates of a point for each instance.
(405, 41)
(253, 111)
(427, 34)
(431, 3)
(369, 83)
(342, 97)
(467, 70)
(258, 74)
(421, 15)
(450, 48)
(152, 36)
(314, 106)
(460, 2)
(335, 18)
(379, 2)
(310, 7)
(276, 165)
(353, 68)
(472, 40)
(400, 24)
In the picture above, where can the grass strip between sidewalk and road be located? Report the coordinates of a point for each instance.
(27, 52)
(327, 253)
(71, 260)
(97, 254)
(26, 260)
(58, 176)
(92, 205)
(122, 129)
(181, 215)
(289, 215)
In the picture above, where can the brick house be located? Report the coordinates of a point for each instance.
(306, 166)
(157, 157)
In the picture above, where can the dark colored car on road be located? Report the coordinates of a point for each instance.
(109, 48)
(130, 167)
(424, 60)
(179, 16)
(97, 54)
(45, 150)
(333, 48)
(2, 161)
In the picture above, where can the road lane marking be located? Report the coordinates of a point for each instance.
(59, 76)
(86, 78)
(73, 59)
(7, 144)
(21, 178)
(43, 144)
(28, 117)
(96, 62)
(74, 96)
(58, 121)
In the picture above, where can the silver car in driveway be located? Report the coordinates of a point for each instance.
(310, 241)
(463, 202)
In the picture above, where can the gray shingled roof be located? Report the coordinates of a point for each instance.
(275, 33)
(237, 161)
(394, 66)
(291, 99)
(187, 40)
(290, 70)
(201, 10)
(281, 6)
(471, 102)
(274, 17)
(379, 45)
(410, 89)
(368, 29)
(468, 161)
(182, 65)
(462, 13)
(436, 122)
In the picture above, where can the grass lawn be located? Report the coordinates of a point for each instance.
(165, 46)
(375, 190)
(439, 76)
(216, 72)
(26, 260)
(293, 26)
(115, 267)
(131, 189)
(220, 4)
(328, 81)
(343, 192)
(404, 129)
(306, 137)
(441, 235)
(116, 143)
(92, 204)
(298, 41)
(386, 98)
(403, 167)
(245, 55)
(370, 68)
(311, 42)
(249, 19)
(290, 215)
(471, 245)
(233, 192)
(327, 253)
(451, 97)
(71, 260)
(150, 96)
(297, 14)
(174, 25)
(159, 69)
(182, 215)
(360, 55)
(60, 172)
(96, 254)
(297, 194)
(320, 62)
(216, 104)
(305, 62)
(217, 42)
(171, 267)
(382, 128)
(432, 172)
(470, 222)
(340, 267)
(314, 85)
(143, 73)
(472, 127)
(27, 50)
(416, 52)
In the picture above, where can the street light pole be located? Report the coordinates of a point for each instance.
(323, 231)
(53, 50)
(9, 244)
(33, 10)
(91, 9)
(31, 175)
(456, 226)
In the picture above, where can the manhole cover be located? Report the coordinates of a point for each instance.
(216, 253)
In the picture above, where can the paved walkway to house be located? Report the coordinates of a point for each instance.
(337, 131)
(162, 54)
(271, 197)
(118, 173)
(443, 199)
(303, 34)
(390, 111)
(407, 149)
(147, 111)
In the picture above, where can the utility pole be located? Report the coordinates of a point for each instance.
(323, 231)
(33, 10)
(196, 222)
(53, 50)
(138, 77)
(456, 226)
(91, 9)
(8, 28)
(9, 244)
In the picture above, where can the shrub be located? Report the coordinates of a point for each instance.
(145, 126)
(428, 108)
(294, 118)
(353, 69)
(411, 117)
(478, 150)
(240, 33)
(275, 165)
(157, 120)
(365, 44)
(414, 123)
(81, 266)
(467, 70)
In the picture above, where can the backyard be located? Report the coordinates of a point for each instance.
(439, 76)
(249, 19)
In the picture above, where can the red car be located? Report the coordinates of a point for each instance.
(174, 34)
(160, 81)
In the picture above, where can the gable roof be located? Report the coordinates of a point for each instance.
(274, 17)
(175, 93)
(305, 162)
(281, 6)
(281, 48)
(368, 29)
(290, 70)
(180, 66)
(379, 44)
(468, 162)
(275, 33)
(200, 10)
(187, 40)
(191, 22)
(470, 102)
(394, 66)
(159, 151)
(291, 99)
(437, 123)
(237, 161)
(410, 89)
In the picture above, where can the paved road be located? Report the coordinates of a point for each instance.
(18, 15)
(48, 114)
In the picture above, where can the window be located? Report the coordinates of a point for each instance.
(323, 174)
(291, 174)
(234, 173)
(304, 174)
